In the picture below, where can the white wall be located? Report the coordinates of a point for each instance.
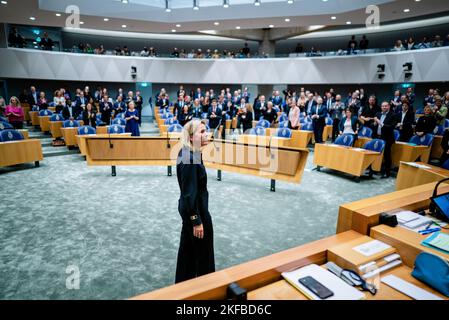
(429, 65)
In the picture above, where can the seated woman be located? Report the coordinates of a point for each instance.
(42, 102)
(426, 124)
(270, 114)
(89, 116)
(14, 112)
(350, 124)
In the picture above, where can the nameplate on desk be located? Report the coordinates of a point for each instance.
(371, 248)
(409, 289)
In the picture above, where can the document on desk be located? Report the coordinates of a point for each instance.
(371, 248)
(438, 241)
(408, 289)
(417, 165)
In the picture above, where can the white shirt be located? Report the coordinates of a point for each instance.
(348, 127)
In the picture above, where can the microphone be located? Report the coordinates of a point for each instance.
(215, 133)
(111, 146)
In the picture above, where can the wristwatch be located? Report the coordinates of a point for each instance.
(194, 217)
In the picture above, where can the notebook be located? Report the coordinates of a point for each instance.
(341, 290)
(438, 241)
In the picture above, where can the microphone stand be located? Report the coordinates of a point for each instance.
(111, 146)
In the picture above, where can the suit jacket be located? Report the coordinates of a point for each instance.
(277, 101)
(75, 112)
(407, 123)
(92, 121)
(322, 113)
(387, 130)
(119, 107)
(197, 111)
(259, 109)
(355, 124)
(309, 106)
(426, 124)
(213, 122)
(163, 103)
(106, 111)
(80, 101)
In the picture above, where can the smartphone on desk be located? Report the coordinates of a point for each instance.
(317, 288)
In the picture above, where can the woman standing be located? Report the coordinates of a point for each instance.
(59, 101)
(196, 248)
(89, 116)
(293, 116)
(132, 120)
(350, 124)
(14, 112)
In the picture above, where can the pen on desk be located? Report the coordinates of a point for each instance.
(424, 232)
(429, 225)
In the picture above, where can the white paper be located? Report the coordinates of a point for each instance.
(406, 216)
(408, 289)
(371, 248)
(417, 165)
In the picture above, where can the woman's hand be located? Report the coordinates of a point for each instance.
(198, 231)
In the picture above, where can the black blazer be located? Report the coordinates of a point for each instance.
(106, 110)
(387, 131)
(92, 121)
(213, 122)
(426, 124)
(407, 125)
(76, 111)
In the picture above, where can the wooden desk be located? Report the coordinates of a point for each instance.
(44, 123)
(346, 159)
(34, 117)
(22, 151)
(52, 109)
(363, 214)
(55, 129)
(361, 141)
(327, 132)
(250, 275)
(81, 139)
(410, 176)
(25, 133)
(407, 242)
(26, 112)
(402, 151)
(436, 151)
(282, 290)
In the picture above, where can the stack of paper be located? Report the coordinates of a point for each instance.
(412, 221)
(340, 289)
(438, 241)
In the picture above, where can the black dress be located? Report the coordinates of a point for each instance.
(195, 256)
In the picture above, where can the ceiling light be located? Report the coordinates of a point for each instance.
(106, 19)
(167, 7)
(290, 1)
(81, 22)
(4, 2)
(125, 1)
(32, 18)
(324, 0)
(257, 3)
(195, 5)
(124, 26)
(216, 23)
(348, 22)
(406, 10)
(225, 3)
(58, 14)
(287, 20)
(417, 0)
(173, 30)
(178, 26)
(333, 17)
(238, 27)
(271, 26)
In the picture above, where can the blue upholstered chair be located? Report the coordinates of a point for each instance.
(366, 132)
(86, 130)
(345, 140)
(257, 131)
(283, 124)
(425, 140)
(45, 112)
(5, 125)
(176, 127)
(284, 133)
(119, 121)
(307, 126)
(263, 124)
(10, 135)
(376, 145)
(116, 128)
(70, 124)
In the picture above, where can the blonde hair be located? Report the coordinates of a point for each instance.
(187, 133)
(15, 98)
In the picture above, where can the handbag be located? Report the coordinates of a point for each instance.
(433, 271)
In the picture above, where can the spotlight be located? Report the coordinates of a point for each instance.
(408, 67)
(195, 5)
(381, 71)
(257, 3)
(167, 7)
(225, 3)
